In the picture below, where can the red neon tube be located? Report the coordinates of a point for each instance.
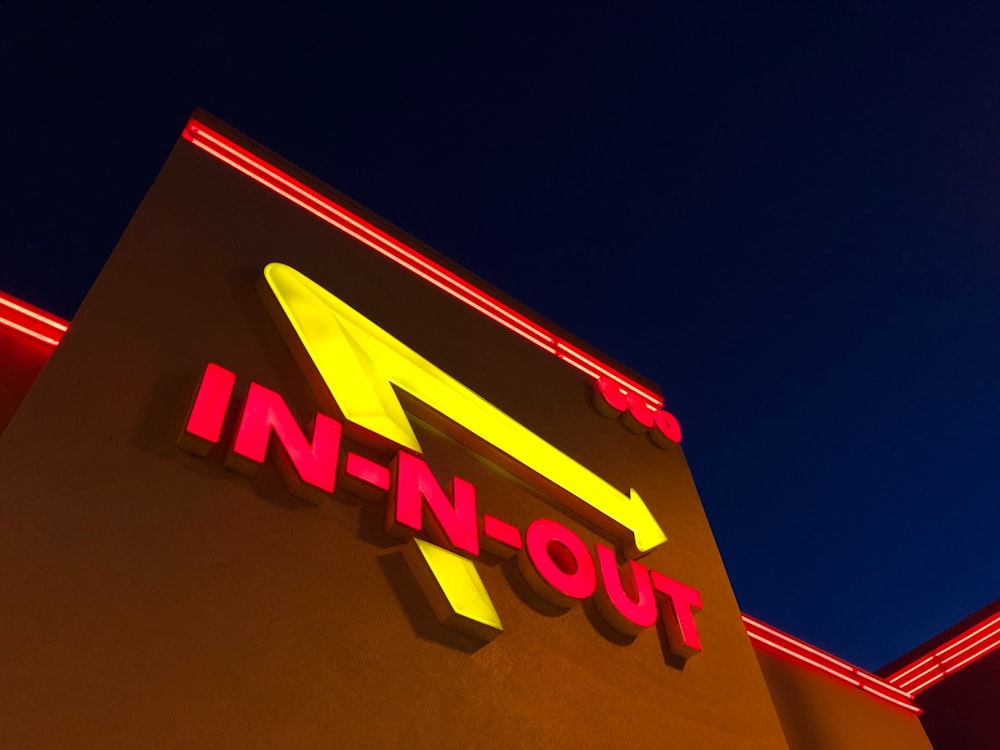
(31, 321)
(930, 673)
(974, 656)
(258, 169)
(951, 656)
(798, 651)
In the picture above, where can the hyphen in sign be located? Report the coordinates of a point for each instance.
(353, 365)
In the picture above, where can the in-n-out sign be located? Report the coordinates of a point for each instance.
(353, 366)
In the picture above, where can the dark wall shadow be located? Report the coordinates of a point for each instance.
(418, 609)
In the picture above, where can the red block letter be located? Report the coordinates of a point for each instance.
(628, 606)
(204, 423)
(678, 610)
(451, 523)
(556, 563)
(309, 469)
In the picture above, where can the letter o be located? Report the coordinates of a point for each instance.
(556, 563)
(609, 398)
(639, 416)
(667, 430)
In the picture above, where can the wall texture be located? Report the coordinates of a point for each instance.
(153, 599)
(821, 713)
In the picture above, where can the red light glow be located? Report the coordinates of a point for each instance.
(953, 655)
(882, 696)
(771, 639)
(615, 402)
(805, 659)
(336, 215)
(31, 321)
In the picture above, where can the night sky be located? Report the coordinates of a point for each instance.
(788, 217)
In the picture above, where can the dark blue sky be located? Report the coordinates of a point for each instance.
(788, 217)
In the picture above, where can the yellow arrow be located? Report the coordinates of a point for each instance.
(351, 359)
(454, 589)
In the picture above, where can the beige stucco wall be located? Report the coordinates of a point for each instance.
(149, 598)
(822, 713)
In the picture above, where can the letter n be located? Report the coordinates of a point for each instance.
(309, 467)
(416, 496)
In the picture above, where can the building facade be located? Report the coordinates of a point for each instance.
(293, 479)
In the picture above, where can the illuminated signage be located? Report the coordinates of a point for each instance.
(31, 321)
(353, 366)
(618, 395)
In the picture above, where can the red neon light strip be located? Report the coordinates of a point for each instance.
(799, 651)
(928, 682)
(934, 670)
(973, 644)
(898, 676)
(950, 657)
(33, 312)
(882, 696)
(332, 213)
(799, 657)
(527, 333)
(993, 622)
(971, 658)
(29, 332)
(31, 321)
(829, 658)
(370, 235)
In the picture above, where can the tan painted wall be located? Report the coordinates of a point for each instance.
(152, 599)
(822, 713)
(21, 359)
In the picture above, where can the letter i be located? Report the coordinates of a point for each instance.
(204, 423)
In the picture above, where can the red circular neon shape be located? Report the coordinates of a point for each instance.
(561, 558)
(612, 393)
(668, 425)
(639, 410)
